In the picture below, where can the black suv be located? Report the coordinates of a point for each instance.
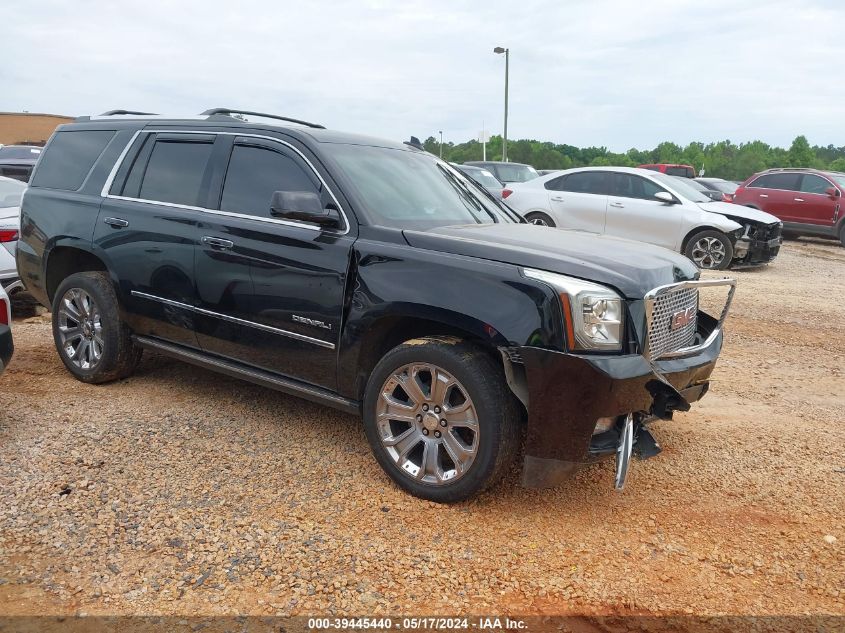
(369, 276)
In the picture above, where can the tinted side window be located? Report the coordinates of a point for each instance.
(70, 157)
(175, 172)
(810, 183)
(254, 173)
(581, 182)
(777, 181)
(630, 186)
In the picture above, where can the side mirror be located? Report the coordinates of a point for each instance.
(665, 197)
(833, 192)
(304, 206)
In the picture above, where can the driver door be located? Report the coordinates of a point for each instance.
(634, 213)
(271, 289)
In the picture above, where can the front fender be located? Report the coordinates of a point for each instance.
(480, 299)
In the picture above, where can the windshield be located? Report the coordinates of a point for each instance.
(414, 190)
(682, 187)
(840, 179)
(11, 192)
(483, 178)
(16, 153)
(509, 172)
(725, 186)
(686, 172)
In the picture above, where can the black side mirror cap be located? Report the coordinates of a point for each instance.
(303, 206)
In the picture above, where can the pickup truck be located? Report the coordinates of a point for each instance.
(369, 276)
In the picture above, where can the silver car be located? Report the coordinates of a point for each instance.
(11, 193)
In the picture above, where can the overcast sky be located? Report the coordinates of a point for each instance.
(614, 73)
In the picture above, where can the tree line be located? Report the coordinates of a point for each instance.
(723, 159)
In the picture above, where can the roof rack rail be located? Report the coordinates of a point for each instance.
(228, 111)
(114, 112)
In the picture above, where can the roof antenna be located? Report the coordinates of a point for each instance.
(415, 142)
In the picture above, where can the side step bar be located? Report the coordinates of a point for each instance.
(251, 374)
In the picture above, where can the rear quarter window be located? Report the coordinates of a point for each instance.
(69, 157)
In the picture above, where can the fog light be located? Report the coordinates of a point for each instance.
(603, 425)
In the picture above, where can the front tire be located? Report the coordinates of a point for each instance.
(710, 250)
(541, 219)
(92, 340)
(842, 234)
(440, 418)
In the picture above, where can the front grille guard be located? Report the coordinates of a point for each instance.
(651, 298)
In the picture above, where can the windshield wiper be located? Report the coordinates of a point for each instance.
(466, 193)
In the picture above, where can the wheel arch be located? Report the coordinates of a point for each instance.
(64, 261)
(699, 229)
(383, 334)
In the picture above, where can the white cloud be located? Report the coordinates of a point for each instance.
(608, 72)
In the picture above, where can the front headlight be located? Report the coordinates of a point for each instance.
(593, 314)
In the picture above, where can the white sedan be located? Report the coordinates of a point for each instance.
(648, 206)
(11, 192)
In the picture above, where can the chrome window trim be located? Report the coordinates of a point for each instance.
(304, 225)
(105, 192)
(225, 317)
(651, 296)
(801, 173)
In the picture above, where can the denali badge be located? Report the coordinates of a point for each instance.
(682, 318)
(314, 322)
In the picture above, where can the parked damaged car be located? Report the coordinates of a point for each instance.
(368, 276)
(651, 207)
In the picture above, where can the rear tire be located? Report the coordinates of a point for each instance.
(710, 250)
(540, 218)
(842, 234)
(92, 340)
(446, 443)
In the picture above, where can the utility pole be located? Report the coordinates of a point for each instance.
(441, 143)
(499, 50)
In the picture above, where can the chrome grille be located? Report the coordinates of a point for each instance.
(672, 318)
(662, 337)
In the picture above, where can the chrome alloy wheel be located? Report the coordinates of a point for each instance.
(427, 423)
(708, 252)
(80, 329)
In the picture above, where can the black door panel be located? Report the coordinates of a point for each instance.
(153, 259)
(275, 299)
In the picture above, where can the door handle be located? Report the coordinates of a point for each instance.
(618, 205)
(764, 195)
(799, 199)
(557, 198)
(118, 223)
(217, 242)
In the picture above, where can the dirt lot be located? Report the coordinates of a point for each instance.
(180, 491)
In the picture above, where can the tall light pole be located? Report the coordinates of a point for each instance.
(441, 143)
(499, 50)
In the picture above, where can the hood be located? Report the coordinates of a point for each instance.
(732, 211)
(633, 268)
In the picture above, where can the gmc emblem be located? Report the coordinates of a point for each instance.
(682, 318)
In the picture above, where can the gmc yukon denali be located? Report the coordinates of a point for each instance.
(368, 276)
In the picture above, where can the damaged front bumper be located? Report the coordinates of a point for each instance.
(569, 393)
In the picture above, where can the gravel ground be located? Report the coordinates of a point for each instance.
(179, 491)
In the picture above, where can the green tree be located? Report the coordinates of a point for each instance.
(837, 165)
(800, 153)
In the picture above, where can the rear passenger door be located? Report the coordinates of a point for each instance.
(147, 228)
(635, 214)
(775, 194)
(271, 289)
(579, 200)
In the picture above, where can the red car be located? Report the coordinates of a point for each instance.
(685, 171)
(808, 201)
